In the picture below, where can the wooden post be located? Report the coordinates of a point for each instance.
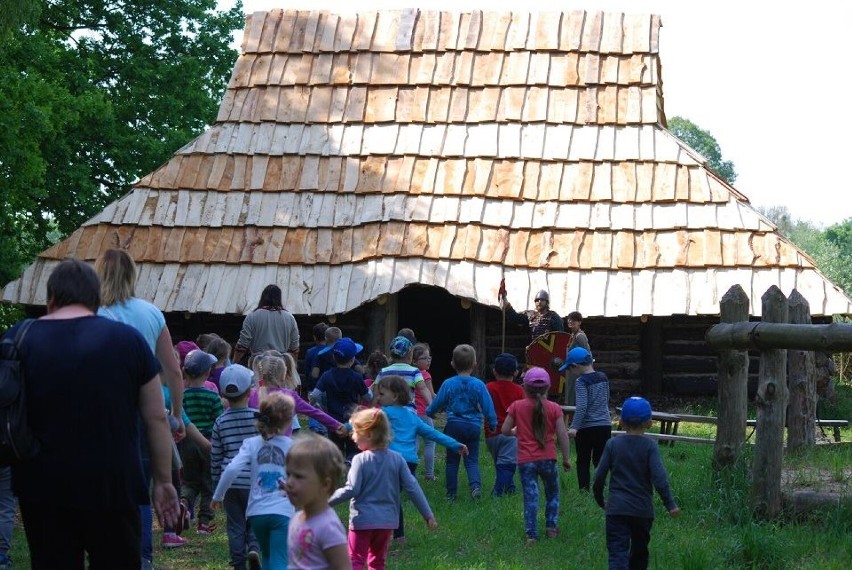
(733, 385)
(771, 402)
(477, 337)
(376, 318)
(801, 412)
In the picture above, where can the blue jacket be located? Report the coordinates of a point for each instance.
(466, 399)
(407, 426)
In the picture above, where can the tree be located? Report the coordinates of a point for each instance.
(703, 142)
(94, 94)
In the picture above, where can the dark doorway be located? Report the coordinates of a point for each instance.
(438, 319)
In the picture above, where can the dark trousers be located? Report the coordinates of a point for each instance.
(197, 483)
(60, 537)
(627, 541)
(399, 532)
(241, 539)
(590, 444)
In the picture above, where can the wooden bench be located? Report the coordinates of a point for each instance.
(668, 422)
(671, 438)
(835, 425)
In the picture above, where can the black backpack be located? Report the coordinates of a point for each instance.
(17, 442)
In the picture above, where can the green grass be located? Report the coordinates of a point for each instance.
(715, 530)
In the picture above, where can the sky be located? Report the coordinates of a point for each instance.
(767, 83)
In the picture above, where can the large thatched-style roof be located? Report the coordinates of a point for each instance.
(355, 155)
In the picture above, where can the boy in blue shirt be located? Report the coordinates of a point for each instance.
(635, 466)
(468, 404)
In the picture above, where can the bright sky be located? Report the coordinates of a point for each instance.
(767, 82)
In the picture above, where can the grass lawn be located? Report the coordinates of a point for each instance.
(715, 529)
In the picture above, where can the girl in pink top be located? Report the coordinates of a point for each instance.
(535, 421)
(278, 374)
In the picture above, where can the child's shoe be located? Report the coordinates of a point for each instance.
(475, 493)
(551, 532)
(531, 542)
(254, 560)
(171, 540)
(205, 528)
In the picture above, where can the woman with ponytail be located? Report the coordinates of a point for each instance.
(535, 421)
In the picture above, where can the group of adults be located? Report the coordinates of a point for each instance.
(542, 320)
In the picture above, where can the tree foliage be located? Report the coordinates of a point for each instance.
(831, 248)
(703, 142)
(94, 94)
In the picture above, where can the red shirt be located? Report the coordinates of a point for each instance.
(503, 393)
(528, 448)
(419, 401)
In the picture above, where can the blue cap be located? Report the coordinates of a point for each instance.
(577, 355)
(344, 349)
(635, 411)
(198, 362)
(400, 346)
(505, 364)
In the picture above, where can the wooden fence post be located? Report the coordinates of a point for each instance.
(733, 385)
(771, 402)
(801, 383)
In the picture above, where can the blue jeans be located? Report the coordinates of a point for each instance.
(530, 472)
(467, 434)
(627, 541)
(241, 539)
(146, 515)
(271, 533)
(8, 502)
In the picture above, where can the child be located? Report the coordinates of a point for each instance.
(503, 448)
(311, 355)
(219, 348)
(276, 375)
(183, 348)
(374, 484)
(269, 511)
(375, 362)
(422, 358)
(394, 396)
(536, 421)
(203, 407)
(315, 538)
(229, 432)
(401, 354)
(343, 389)
(592, 424)
(635, 464)
(466, 400)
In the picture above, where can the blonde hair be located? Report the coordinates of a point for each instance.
(117, 272)
(275, 371)
(374, 422)
(464, 358)
(321, 454)
(398, 386)
(275, 414)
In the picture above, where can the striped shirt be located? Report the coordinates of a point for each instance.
(411, 374)
(229, 431)
(202, 406)
(592, 401)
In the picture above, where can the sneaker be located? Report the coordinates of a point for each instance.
(475, 493)
(205, 528)
(254, 560)
(171, 540)
(451, 498)
(551, 532)
(531, 542)
(430, 478)
(146, 565)
(5, 562)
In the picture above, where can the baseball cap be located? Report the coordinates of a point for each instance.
(183, 348)
(537, 377)
(346, 348)
(635, 411)
(505, 364)
(235, 380)
(197, 362)
(577, 355)
(400, 346)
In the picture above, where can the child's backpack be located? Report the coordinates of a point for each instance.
(17, 442)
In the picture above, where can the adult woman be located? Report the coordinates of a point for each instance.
(117, 273)
(268, 327)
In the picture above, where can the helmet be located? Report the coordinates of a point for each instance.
(542, 295)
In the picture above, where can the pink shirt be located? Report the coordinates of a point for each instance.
(307, 539)
(528, 448)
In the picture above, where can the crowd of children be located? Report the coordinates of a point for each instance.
(241, 453)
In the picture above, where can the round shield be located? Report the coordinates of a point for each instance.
(548, 351)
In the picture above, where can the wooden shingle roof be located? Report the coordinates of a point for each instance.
(355, 155)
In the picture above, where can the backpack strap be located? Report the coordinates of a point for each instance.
(21, 333)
